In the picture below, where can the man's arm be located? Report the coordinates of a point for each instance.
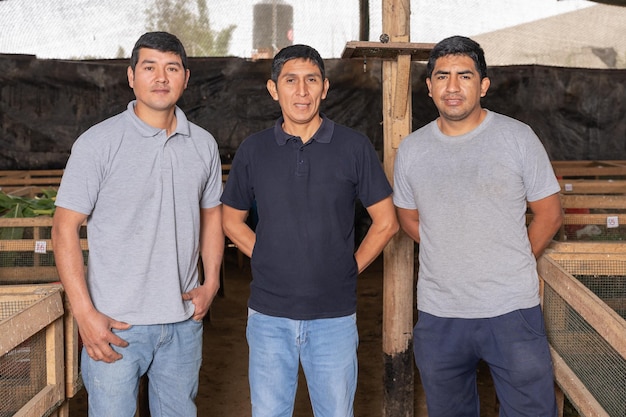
(95, 327)
(211, 251)
(410, 222)
(235, 227)
(547, 218)
(384, 226)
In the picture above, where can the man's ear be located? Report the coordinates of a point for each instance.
(131, 76)
(326, 88)
(272, 89)
(484, 86)
(187, 74)
(429, 85)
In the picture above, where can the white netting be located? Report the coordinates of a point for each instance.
(550, 32)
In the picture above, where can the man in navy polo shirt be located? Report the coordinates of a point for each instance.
(305, 175)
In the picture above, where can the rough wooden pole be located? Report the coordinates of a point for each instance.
(398, 287)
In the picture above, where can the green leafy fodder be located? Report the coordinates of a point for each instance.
(21, 207)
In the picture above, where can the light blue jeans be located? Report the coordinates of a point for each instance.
(327, 350)
(171, 354)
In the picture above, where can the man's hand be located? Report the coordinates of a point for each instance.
(95, 331)
(202, 298)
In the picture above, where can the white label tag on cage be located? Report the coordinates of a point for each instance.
(612, 222)
(40, 246)
(569, 187)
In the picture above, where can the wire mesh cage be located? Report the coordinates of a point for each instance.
(591, 224)
(22, 374)
(26, 255)
(32, 378)
(584, 302)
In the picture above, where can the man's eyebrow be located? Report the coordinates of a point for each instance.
(446, 72)
(152, 61)
(293, 74)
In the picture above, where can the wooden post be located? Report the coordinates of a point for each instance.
(397, 53)
(398, 256)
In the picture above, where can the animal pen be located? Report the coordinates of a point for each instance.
(583, 296)
(584, 303)
(39, 343)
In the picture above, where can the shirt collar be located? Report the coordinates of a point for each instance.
(182, 124)
(323, 135)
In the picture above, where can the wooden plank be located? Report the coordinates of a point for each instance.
(386, 51)
(30, 172)
(597, 247)
(402, 87)
(28, 191)
(26, 221)
(9, 181)
(589, 256)
(28, 275)
(24, 245)
(593, 201)
(575, 390)
(55, 352)
(29, 289)
(588, 186)
(19, 327)
(592, 218)
(73, 379)
(597, 265)
(43, 402)
(605, 168)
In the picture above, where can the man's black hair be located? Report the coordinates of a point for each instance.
(161, 41)
(296, 52)
(458, 45)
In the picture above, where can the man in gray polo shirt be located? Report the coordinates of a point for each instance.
(148, 183)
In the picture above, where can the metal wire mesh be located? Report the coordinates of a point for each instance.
(26, 255)
(22, 373)
(595, 362)
(597, 225)
(9, 308)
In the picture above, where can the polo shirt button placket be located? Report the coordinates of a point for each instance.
(301, 163)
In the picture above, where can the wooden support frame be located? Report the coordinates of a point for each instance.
(398, 275)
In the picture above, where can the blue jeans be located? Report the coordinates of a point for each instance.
(171, 355)
(327, 350)
(514, 346)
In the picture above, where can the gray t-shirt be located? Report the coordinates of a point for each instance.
(471, 192)
(142, 191)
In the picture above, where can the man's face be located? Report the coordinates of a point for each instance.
(158, 80)
(299, 90)
(456, 87)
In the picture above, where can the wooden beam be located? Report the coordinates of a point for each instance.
(387, 51)
(398, 289)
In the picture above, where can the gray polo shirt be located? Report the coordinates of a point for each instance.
(142, 191)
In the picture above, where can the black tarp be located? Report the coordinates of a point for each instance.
(579, 114)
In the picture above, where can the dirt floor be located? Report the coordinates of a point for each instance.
(223, 378)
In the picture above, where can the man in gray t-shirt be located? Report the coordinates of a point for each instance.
(462, 185)
(147, 182)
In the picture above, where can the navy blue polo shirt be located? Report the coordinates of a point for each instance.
(303, 264)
